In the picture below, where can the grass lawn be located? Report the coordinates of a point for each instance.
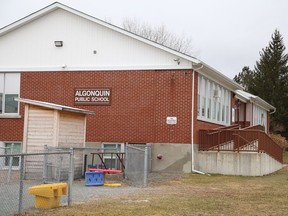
(194, 194)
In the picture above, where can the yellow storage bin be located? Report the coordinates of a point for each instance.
(48, 195)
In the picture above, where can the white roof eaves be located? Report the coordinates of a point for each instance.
(221, 78)
(259, 101)
(57, 5)
(243, 95)
(255, 99)
(53, 106)
(29, 18)
(241, 98)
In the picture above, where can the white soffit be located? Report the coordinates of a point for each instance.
(254, 99)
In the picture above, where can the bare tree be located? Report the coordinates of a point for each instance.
(160, 34)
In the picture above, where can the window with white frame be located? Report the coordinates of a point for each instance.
(7, 148)
(9, 89)
(213, 102)
(112, 161)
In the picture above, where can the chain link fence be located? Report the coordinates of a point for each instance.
(137, 164)
(19, 172)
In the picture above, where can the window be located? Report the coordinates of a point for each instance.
(213, 101)
(203, 93)
(9, 89)
(209, 99)
(10, 148)
(111, 161)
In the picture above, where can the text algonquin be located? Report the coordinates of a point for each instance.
(92, 96)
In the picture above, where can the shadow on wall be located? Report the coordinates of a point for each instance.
(180, 165)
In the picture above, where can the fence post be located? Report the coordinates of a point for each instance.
(70, 176)
(145, 167)
(59, 168)
(10, 163)
(21, 184)
(45, 165)
(85, 165)
(126, 161)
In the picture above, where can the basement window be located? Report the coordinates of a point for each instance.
(111, 160)
(10, 148)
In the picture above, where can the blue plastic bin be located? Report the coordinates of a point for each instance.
(94, 178)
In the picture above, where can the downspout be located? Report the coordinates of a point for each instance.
(192, 124)
(274, 110)
(269, 124)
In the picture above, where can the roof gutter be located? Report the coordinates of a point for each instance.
(219, 76)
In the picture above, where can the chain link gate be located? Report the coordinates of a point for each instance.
(137, 164)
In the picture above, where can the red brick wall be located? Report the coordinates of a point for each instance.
(203, 125)
(11, 129)
(141, 101)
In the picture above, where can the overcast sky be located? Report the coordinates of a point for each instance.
(227, 34)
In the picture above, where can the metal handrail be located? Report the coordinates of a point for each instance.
(213, 140)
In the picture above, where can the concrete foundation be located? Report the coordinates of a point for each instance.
(234, 163)
(175, 157)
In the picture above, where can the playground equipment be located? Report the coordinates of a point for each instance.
(106, 171)
(48, 195)
(94, 178)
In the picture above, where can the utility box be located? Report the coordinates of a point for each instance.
(48, 195)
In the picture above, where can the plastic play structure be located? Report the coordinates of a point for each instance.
(96, 176)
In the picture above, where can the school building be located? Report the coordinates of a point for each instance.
(142, 92)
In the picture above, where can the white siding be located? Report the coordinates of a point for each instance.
(31, 47)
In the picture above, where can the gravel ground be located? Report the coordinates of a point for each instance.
(82, 193)
(9, 193)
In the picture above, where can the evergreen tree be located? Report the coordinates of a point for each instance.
(269, 80)
(245, 78)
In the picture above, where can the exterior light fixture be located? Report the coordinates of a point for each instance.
(58, 43)
(177, 60)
